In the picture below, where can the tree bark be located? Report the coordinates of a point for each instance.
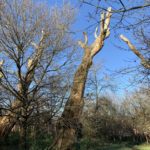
(144, 62)
(8, 121)
(69, 123)
(6, 126)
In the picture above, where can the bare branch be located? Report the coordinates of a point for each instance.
(34, 45)
(102, 22)
(97, 45)
(1, 63)
(83, 45)
(96, 31)
(30, 61)
(1, 72)
(85, 37)
(144, 62)
(119, 10)
(132, 47)
(132, 8)
(122, 4)
(107, 20)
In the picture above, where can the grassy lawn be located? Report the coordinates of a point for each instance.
(125, 147)
(95, 145)
(142, 147)
(119, 147)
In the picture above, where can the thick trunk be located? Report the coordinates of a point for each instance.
(69, 124)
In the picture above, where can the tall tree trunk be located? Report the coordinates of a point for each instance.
(69, 122)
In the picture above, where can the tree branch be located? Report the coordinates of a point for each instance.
(122, 4)
(84, 44)
(144, 62)
(97, 45)
(33, 62)
(119, 10)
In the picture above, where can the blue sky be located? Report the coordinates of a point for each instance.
(113, 58)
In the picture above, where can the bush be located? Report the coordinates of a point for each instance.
(41, 142)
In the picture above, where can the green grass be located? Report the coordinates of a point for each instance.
(142, 147)
(125, 147)
(118, 147)
(100, 147)
(87, 144)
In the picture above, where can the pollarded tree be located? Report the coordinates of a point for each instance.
(69, 122)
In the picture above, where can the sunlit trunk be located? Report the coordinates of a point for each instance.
(69, 122)
(69, 125)
(6, 125)
(8, 121)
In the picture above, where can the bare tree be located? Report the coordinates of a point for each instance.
(136, 108)
(96, 85)
(31, 38)
(69, 122)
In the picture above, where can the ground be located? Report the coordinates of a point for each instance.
(85, 144)
(88, 145)
(125, 147)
